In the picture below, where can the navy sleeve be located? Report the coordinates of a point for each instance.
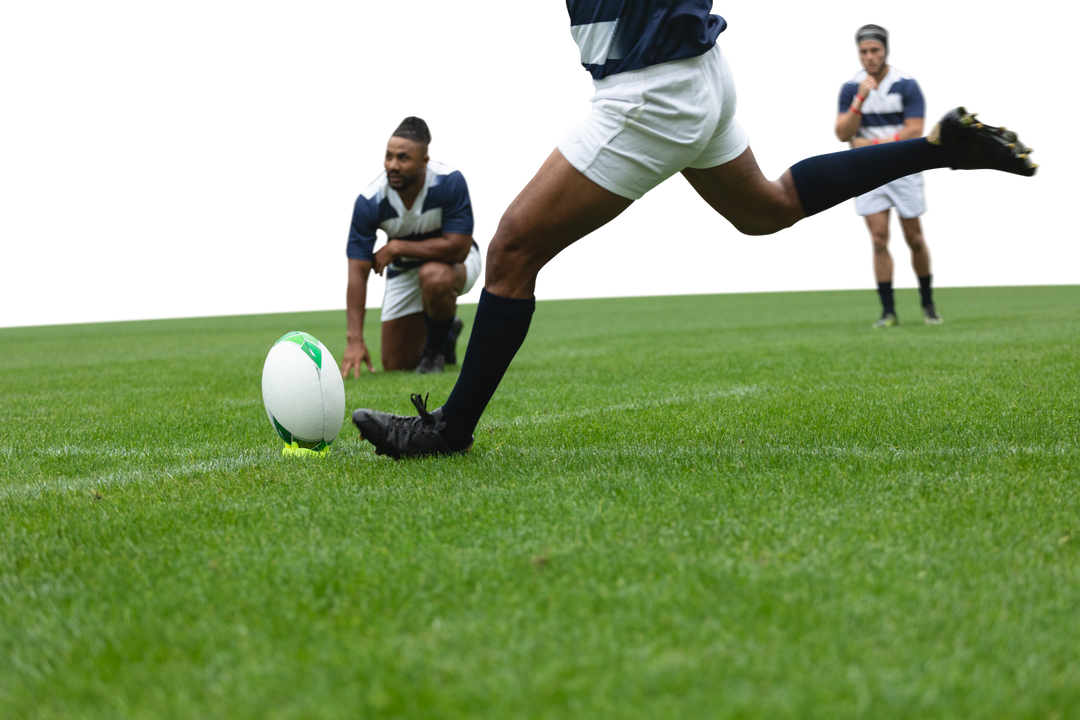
(914, 105)
(847, 96)
(365, 222)
(457, 215)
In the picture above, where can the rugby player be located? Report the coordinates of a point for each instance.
(430, 257)
(880, 105)
(664, 103)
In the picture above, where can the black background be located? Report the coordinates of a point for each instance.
(220, 178)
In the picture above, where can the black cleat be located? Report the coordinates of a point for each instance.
(887, 320)
(976, 146)
(431, 363)
(931, 316)
(450, 347)
(401, 436)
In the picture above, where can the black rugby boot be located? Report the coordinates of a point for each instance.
(977, 146)
(404, 436)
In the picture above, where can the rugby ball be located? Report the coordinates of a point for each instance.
(303, 392)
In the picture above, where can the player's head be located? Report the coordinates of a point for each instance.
(873, 43)
(407, 153)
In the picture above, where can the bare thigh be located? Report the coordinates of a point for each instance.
(878, 225)
(913, 233)
(738, 191)
(558, 207)
(403, 342)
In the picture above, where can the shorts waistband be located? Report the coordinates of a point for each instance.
(647, 73)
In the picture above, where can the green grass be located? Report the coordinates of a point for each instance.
(725, 507)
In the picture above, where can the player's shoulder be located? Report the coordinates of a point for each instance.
(441, 172)
(375, 191)
(904, 75)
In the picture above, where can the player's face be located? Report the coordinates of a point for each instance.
(872, 56)
(404, 162)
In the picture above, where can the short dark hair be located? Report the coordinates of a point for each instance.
(413, 128)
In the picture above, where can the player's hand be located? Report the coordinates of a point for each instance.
(356, 356)
(867, 85)
(383, 257)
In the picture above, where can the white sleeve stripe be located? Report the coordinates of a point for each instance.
(594, 40)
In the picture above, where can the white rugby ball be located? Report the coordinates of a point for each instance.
(303, 392)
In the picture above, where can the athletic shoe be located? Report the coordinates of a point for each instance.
(931, 316)
(977, 146)
(401, 436)
(431, 362)
(886, 320)
(450, 346)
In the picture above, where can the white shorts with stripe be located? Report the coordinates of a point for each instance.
(403, 296)
(648, 124)
(907, 195)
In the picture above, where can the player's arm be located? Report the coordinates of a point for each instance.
(356, 296)
(849, 118)
(448, 248)
(847, 124)
(913, 128)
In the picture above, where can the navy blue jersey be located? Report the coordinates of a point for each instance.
(615, 36)
(442, 206)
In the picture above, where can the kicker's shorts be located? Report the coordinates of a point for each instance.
(403, 291)
(907, 195)
(648, 124)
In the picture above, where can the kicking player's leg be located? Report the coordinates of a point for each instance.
(558, 207)
(738, 191)
(920, 261)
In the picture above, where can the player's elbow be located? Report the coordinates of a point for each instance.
(461, 248)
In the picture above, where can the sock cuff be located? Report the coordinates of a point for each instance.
(512, 308)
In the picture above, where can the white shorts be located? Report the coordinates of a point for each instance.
(403, 295)
(648, 124)
(906, 195)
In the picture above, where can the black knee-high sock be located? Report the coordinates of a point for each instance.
(828, 180)
(884, 290)
(437, 332)
(499, 328)
(925, 292)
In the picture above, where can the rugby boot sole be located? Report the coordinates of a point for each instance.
(978, 146)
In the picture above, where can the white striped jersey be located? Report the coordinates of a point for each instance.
(615, 36)
(896, 98)
(442, 206)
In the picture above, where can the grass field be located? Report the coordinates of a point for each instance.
(734, 506)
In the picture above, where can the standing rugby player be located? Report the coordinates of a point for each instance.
(882, 105)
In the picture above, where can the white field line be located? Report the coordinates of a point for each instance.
(176, 470)
(124, 477)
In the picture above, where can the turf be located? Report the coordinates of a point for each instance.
(729, 506)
